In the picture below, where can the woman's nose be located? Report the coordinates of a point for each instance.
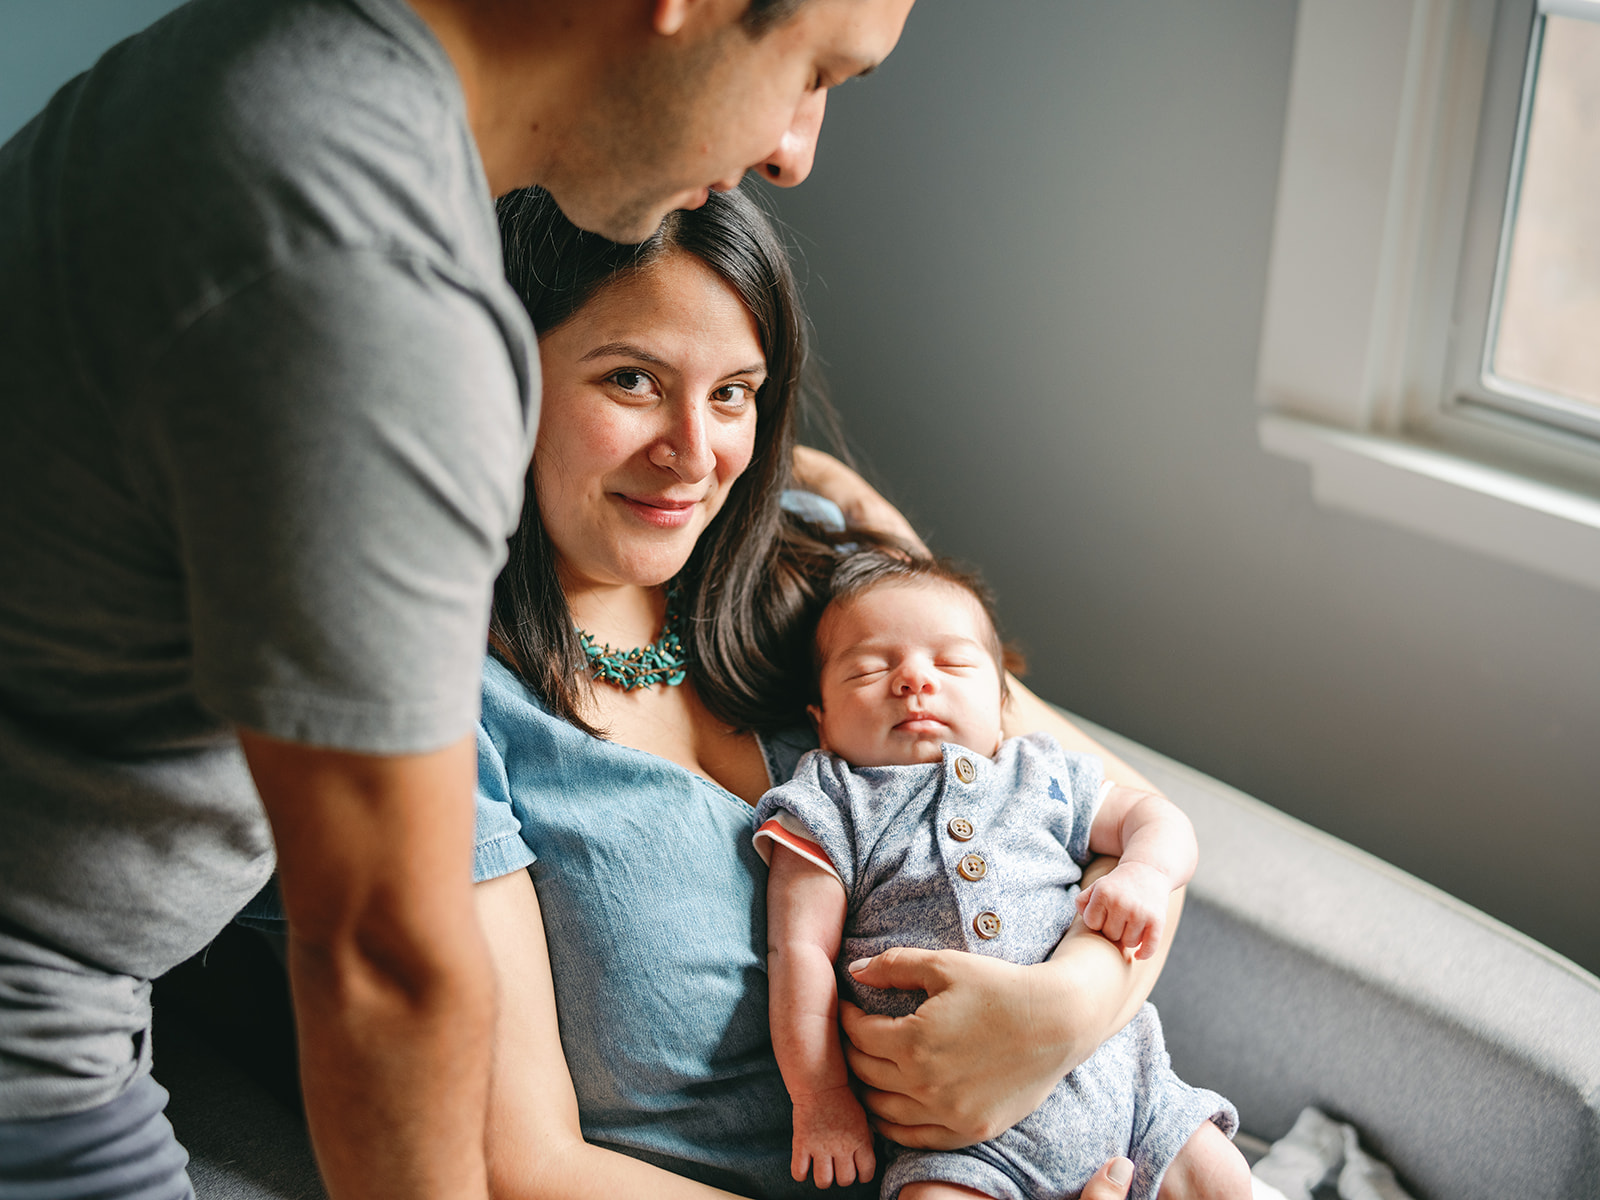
(791, 162)
(684, 449)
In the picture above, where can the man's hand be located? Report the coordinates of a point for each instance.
(832, 1141)
(1128, 906)
(393, 994)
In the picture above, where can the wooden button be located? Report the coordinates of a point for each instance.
(965, 771)
(973, 867)
(961, 829)
(987, 925)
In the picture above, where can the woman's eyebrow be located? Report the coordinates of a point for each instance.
(624, 350)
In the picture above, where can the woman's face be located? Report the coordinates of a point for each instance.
(648, 417)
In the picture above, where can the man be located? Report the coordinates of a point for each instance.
(265, 411)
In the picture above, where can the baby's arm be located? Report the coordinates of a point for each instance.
(805, 921)
(1155, 845)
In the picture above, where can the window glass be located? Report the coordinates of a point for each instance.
(1547, 335)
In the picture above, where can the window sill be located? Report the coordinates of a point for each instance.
(1507, 516)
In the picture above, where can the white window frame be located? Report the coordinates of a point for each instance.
(1398, 146)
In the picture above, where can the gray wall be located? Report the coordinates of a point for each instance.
(44, 43)
(1036, 244)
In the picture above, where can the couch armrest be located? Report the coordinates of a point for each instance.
(1309, 972)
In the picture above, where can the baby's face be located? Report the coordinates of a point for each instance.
(905, 667)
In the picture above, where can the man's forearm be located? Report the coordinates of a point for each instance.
(394, 1066)
(393, 987)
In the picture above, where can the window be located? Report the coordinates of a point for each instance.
(1431, 339)
(1540, 353)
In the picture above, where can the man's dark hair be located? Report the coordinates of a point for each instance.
(754, 583)
(762, 15)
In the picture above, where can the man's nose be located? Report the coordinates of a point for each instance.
(791, 162)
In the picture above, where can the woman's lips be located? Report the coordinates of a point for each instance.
(658, 511)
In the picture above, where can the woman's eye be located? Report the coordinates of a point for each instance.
(734, 395)
(635, 383)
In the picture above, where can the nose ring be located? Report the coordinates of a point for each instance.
(672, 453)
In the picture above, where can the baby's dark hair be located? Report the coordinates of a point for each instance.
(860, 571)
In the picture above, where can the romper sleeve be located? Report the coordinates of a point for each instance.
(811, 815)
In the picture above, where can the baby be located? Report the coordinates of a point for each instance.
(915, 824)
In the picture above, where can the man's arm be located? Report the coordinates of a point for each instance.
(393, 992)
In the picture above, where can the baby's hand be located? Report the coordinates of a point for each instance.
(1128, 905)
(831, 1139)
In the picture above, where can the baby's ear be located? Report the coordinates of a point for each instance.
(814, 711)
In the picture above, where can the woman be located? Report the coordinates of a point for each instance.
(631, 951)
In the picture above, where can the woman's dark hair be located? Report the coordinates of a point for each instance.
(753, 583)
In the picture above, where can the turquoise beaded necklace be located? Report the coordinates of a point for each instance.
(662, 661)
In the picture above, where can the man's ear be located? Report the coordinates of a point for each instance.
(669, 16)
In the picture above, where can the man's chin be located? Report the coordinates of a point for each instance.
(626, 227)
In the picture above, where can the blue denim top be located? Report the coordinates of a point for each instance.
(654, 903)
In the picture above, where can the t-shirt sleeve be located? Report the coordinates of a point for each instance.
(811, 816)
(497, 847)
(343, 444)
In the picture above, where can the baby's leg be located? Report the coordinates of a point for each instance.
(1209, 1167)
(927, 1190)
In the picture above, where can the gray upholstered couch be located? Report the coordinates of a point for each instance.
(1305, 972)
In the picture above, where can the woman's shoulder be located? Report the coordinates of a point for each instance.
(506, 695)
(513, 719)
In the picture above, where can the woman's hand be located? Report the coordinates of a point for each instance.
(1110, 1182)
(993, 1038)
(981, 1053)
(862, 506)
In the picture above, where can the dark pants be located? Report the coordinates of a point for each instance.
(124, 1150)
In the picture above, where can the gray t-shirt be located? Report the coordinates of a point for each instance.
(266, 402)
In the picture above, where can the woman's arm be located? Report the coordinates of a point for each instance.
(993, 1038)
(535, 1148)
(1026, 713)
(863, 507)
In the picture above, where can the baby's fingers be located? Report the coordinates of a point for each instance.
(822, 1171)
(1084, 896)
(1150, 938)
(866, 1162)
(800, 1163)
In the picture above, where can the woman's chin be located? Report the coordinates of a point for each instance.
(653, 570)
